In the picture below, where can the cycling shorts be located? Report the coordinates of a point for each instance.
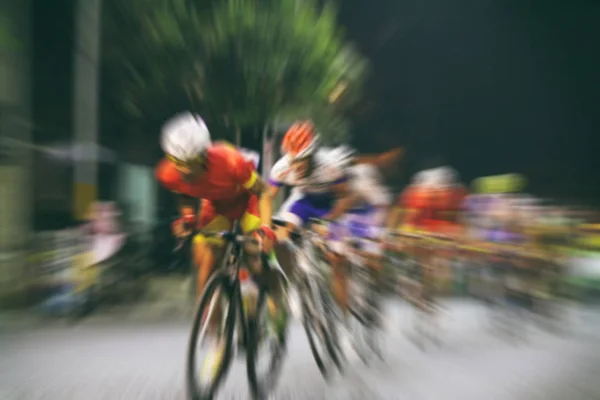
(360, 223)
(299, 208)
(216, 219)
(360, 226)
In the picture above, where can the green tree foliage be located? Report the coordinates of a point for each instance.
(144, 58)
(8, 41)
(282, 55)
(241, 63)
(333, 125)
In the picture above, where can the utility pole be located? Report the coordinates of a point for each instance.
(85, 113)
(267, 152)
(270, 154)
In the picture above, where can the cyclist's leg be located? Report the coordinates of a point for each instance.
(372, 254)
(283, 252)
(249, 219)
(299, 210)
(339, 285)
(298, 215)
(250, 222)
(373, 245)
(207, 251)
(365, 227)
(339, 265)
(426, 256)
(286, 215)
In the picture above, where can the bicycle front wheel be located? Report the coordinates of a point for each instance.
(218, 291)
(318, 321)
(265, 350)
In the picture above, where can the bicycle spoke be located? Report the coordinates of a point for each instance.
(208, 315)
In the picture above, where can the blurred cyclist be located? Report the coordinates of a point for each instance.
(320, 185)
(325, 186)
(215, 186)
(362, 227)
(431, 204)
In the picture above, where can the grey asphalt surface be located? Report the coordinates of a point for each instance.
(132, 360)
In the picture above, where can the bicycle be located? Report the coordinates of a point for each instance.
(507, 295)
(366, 306)
(426, 317)
(245, 314)
(549, 304)
(316, 305)
(183, 245)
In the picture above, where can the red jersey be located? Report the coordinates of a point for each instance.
(432, 208)
(225, 183)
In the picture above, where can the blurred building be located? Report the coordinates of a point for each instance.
(48, 96)
(65, 90)
(15, 127)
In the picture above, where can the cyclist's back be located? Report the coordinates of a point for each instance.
(329, 167)
(432, 202)
(227, 172)
(313, 195)
(366, 180)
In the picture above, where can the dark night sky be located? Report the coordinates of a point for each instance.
(490, 86)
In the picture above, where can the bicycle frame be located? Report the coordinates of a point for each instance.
(232, 268)
(308, 274)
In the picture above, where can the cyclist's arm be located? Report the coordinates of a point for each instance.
(345, 200)
(187, 205)
(265, 204)
(265, 193)
(269, 190)
(167, 176)
(189, 209)
(381, 161)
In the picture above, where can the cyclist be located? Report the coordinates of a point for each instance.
(364, 223)
(323, 188)
(430, 204)
(215, 186)
(320, 185)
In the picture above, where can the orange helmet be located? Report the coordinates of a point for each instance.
(300, 140)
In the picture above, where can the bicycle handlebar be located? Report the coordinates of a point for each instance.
(232, 235)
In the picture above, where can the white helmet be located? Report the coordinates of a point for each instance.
(444, 176)
(420, 178)
(185, 137)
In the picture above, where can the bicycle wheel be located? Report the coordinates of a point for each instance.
(262, 381)
(331, 338)
(218, 286)
(365, 318)
(193, 293)
(374, 318)
(319, 338)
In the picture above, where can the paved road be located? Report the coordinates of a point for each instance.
(133, 361)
